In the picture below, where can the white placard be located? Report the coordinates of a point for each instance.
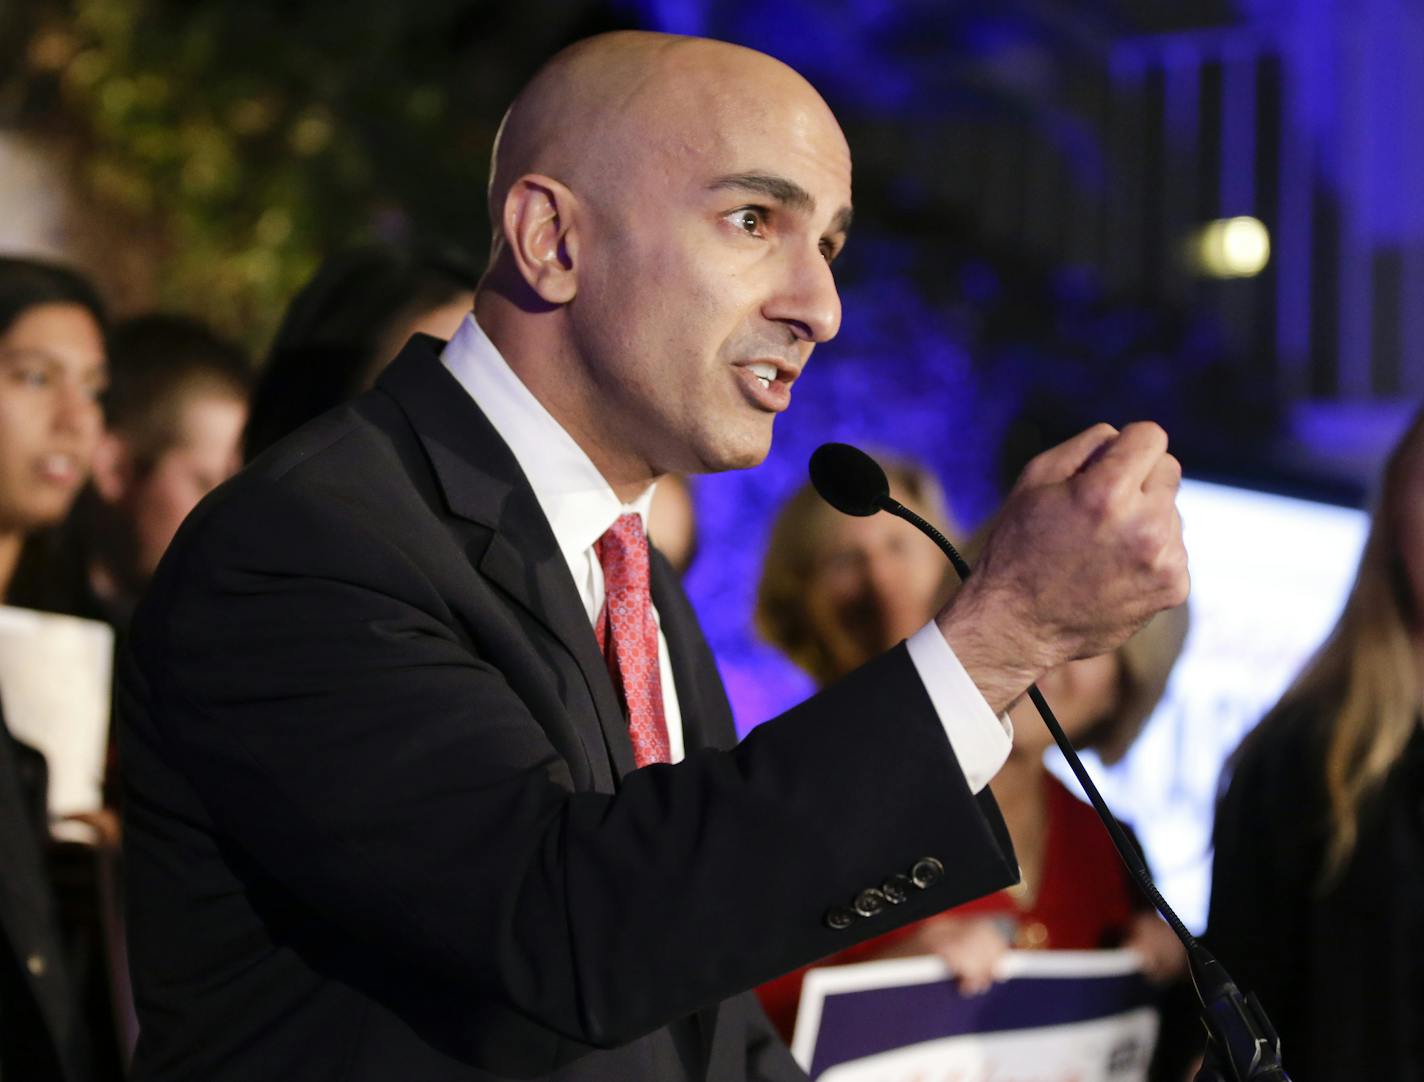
(1270, 575)
(56, 676)
(1053, 1016)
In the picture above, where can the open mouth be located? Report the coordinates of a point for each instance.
(766, 384)
(764, 371)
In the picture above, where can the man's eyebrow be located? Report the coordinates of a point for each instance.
(786, 192)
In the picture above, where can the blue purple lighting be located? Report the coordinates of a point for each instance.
(896, 378)
(957, 328)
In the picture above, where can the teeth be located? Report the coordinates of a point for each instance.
(763, 371)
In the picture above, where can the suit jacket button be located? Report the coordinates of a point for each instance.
(926, 872)
(869, 902)
(896, 889)
(36, 964)
(839, 918)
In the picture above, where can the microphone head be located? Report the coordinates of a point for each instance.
(848, 479)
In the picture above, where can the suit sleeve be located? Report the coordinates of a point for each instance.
(350, 742)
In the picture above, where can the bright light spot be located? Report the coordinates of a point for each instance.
(1233, 248)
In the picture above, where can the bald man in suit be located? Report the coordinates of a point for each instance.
(402, 800)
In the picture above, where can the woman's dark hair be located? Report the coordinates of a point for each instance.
(325, 349)
(29, 283)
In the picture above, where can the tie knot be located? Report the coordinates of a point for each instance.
(623, 552)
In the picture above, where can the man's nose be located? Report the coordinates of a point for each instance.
(808, 301)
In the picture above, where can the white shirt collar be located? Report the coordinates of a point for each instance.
(576, 499)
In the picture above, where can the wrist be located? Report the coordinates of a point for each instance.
(1000, 657)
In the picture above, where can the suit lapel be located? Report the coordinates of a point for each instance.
(483, 484)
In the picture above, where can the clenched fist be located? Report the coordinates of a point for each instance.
(1086, 549)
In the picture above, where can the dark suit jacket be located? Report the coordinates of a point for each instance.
(39, 1023)
(382, 816)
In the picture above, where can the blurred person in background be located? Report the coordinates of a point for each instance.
(52, 376)
(344, 325)
(837, 589)
(1317, 900)
(176, 407)
(672, 521)
(53, 373)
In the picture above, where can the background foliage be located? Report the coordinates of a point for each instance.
(244, 139)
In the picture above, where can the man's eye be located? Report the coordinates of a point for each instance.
(750, 220)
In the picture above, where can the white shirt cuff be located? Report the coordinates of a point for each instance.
(981, 741)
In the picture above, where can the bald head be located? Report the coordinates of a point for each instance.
(627, 97)
(665, 212)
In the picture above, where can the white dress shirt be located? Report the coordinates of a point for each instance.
(580, 506)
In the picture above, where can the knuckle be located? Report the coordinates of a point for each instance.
(1149, 538)
(1033, 470)
(1096, 496)
(1169, 471)
(1148, 542)
(1148, 431)
(1175, 579)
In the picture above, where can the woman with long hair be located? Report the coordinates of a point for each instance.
(1317, 897)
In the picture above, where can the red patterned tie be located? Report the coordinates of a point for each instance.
(628, 636)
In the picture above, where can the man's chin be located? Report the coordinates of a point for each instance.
(728, 459)
(737, 450)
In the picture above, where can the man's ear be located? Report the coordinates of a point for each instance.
(539, 232)
(113, 470)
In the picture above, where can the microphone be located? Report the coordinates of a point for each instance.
(849, 479)
(854, 484)
(1242, 1045)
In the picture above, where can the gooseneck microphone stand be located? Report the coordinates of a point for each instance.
(1242, 1045)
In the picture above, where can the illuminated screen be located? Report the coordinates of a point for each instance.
(1269, 576)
